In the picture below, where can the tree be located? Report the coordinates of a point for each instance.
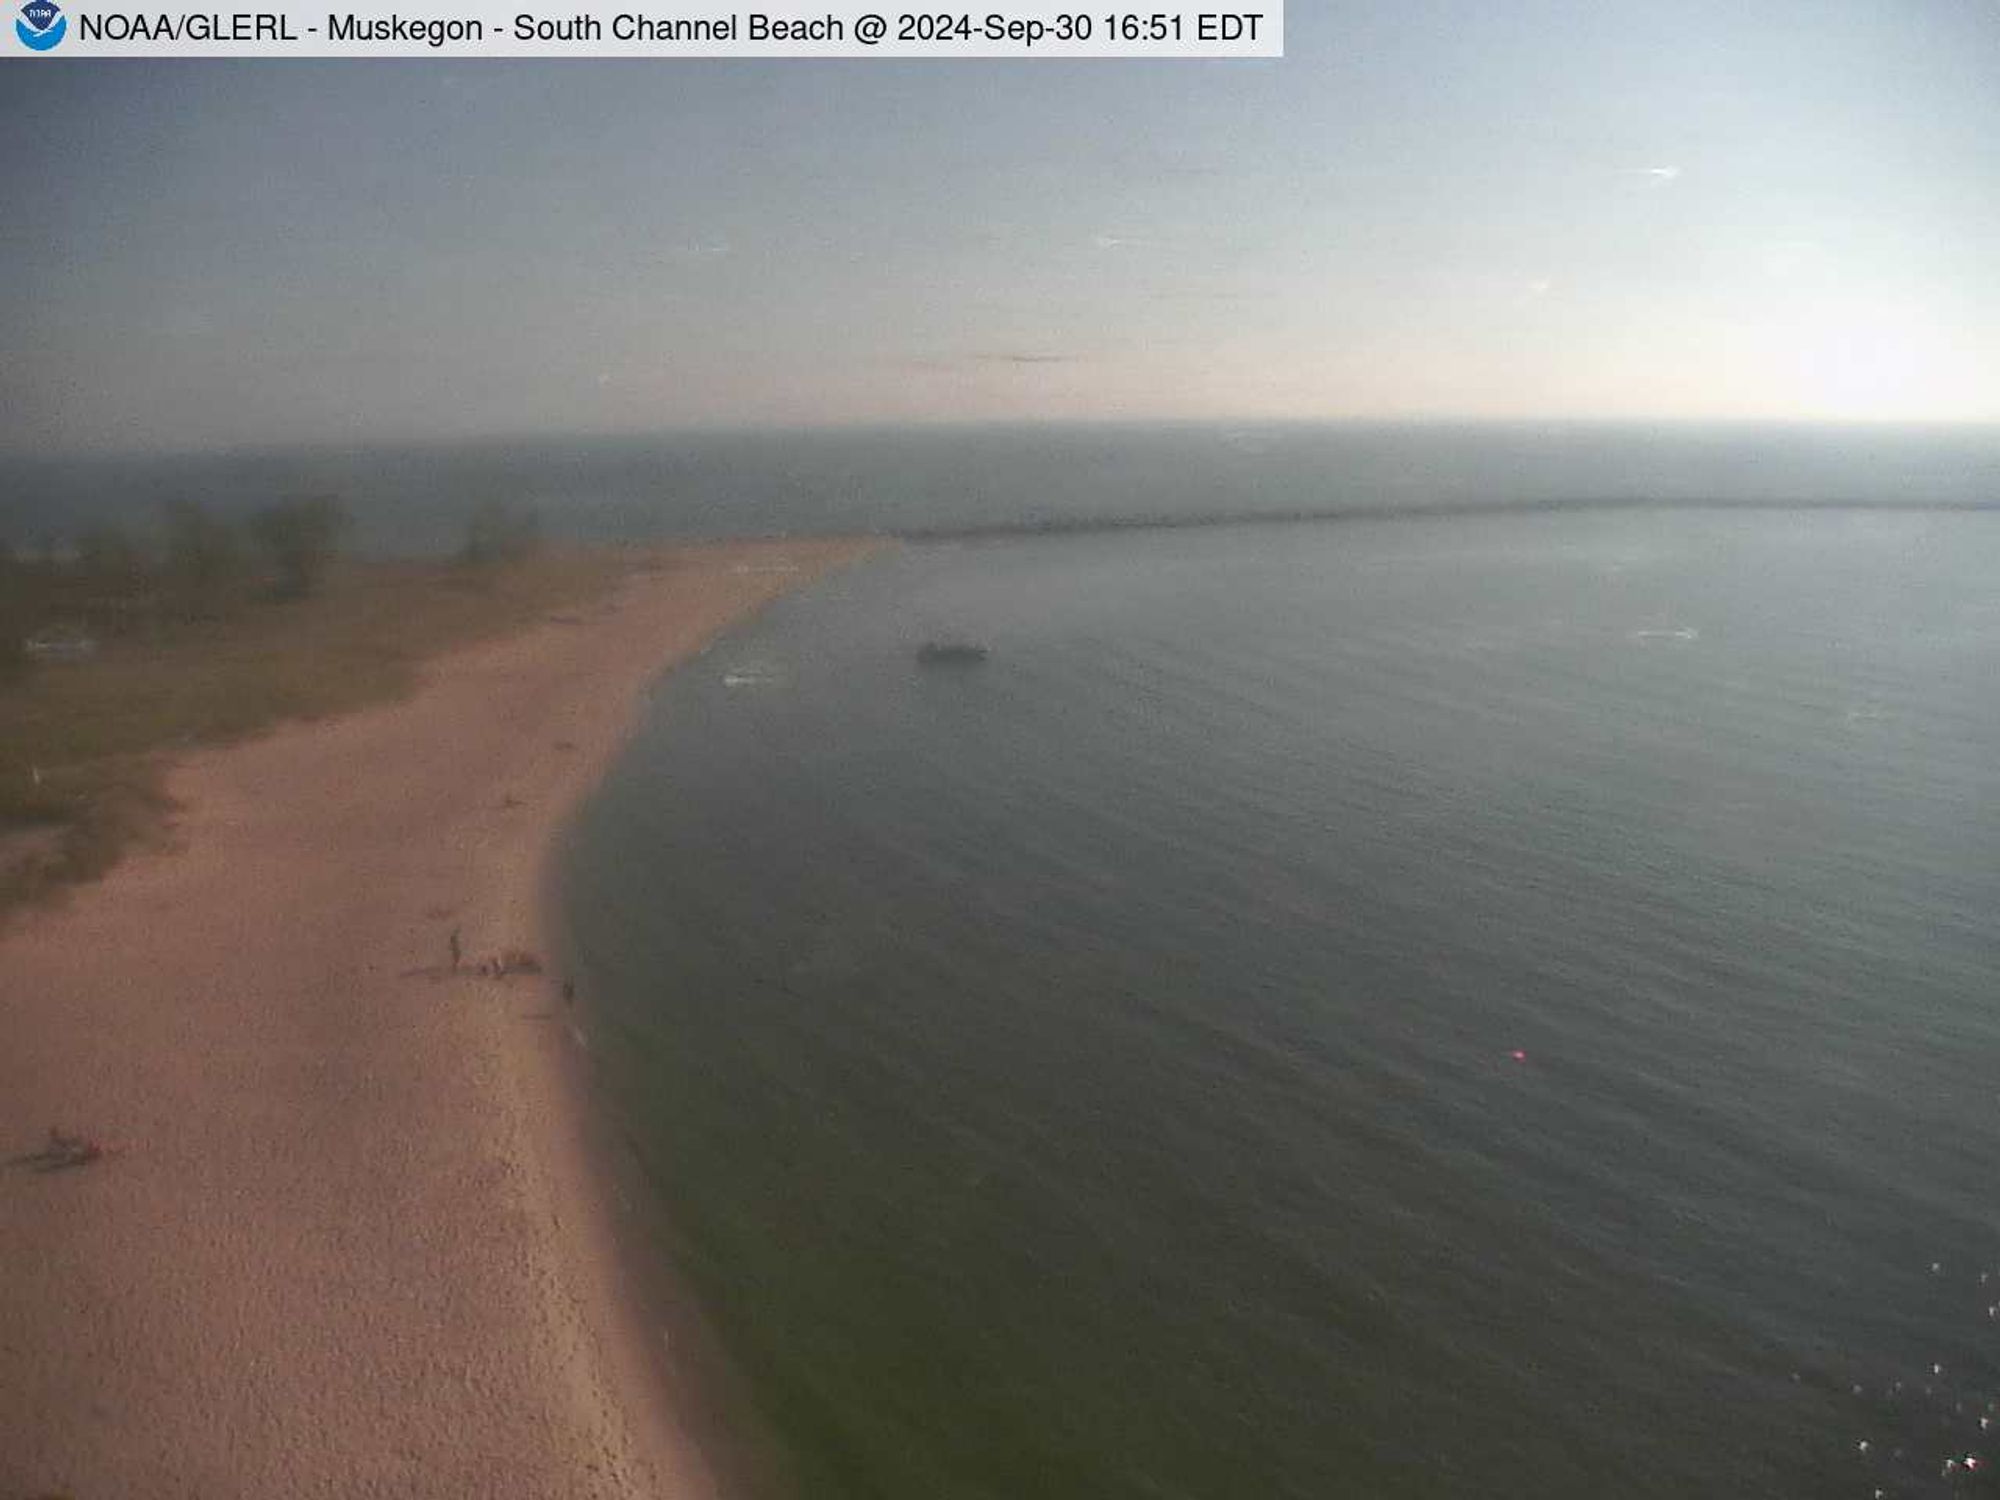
(301, 538)
(205, 562)
(110, 560)
(13, 617)
(500, 533)
(117, 590)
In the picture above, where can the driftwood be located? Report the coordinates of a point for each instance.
(67, 1149)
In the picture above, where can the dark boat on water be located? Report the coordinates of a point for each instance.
(950, 653)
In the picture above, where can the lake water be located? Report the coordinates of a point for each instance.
(1493, 1006)
(416, 499)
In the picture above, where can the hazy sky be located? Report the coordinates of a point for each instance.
(1462, 209)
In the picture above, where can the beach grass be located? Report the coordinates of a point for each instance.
(84, 742)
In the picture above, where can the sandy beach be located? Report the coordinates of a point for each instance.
(347, 1238)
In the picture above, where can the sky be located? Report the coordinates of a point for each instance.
(1424, 210)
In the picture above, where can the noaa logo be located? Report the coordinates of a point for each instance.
(42, 25)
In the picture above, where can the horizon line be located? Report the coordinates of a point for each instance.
(409, 442)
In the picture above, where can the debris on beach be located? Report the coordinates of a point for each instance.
(511, 961)
(70, 1149)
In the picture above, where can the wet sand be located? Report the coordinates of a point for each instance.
(348, 1237)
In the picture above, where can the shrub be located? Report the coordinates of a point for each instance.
(301, 539)
(500, 533)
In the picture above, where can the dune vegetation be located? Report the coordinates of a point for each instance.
(122, 651)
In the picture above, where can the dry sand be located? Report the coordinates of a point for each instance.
(348, 1241)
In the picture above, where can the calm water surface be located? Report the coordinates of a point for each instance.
(417, 499)
(1496, 1007)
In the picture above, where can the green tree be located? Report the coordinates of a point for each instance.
(13, 615)
(205, 563)
(115, 589)
(110, 561)
(301, 539)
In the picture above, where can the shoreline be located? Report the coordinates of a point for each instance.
(356, 1231)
